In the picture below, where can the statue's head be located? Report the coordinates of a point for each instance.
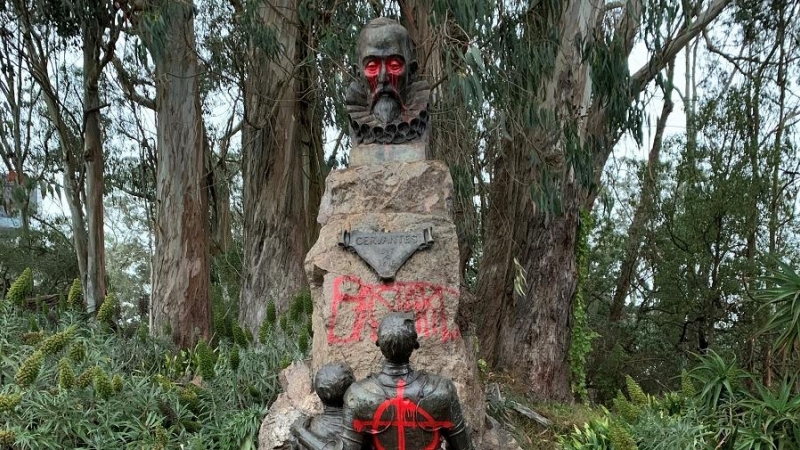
(387, 64)
(397, 337)
(332, 381)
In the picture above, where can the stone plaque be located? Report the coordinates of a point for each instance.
(386, 252)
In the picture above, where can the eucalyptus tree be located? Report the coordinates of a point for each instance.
(559, 82)
(283, 166)
(94, 26)
(180, 306)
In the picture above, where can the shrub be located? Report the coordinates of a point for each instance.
(86, 387)
(75, 294)
(21, 288)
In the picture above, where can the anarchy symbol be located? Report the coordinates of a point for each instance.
(407, 414)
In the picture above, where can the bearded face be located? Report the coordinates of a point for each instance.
(386, 65)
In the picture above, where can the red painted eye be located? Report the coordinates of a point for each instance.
(372, 68)
(394, 66)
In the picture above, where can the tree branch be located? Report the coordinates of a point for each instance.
(660, 60)
(129, 88)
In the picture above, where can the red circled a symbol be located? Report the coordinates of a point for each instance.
(406, 416)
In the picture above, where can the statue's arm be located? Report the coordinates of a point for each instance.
(311, 441)
(352, 439)
(457, 437)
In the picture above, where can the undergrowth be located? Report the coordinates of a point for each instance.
(71, 381)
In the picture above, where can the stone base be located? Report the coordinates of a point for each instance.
(350, 299)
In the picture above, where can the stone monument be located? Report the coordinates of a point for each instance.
(388, 242)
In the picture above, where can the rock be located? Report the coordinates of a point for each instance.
(297, 400)
(496, 437)
(349, 298)
(417, 188)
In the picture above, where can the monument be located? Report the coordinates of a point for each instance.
(387, 241)
(399, 407)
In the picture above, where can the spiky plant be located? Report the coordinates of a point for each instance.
(637, 395)
(58, 341)
(239, 337)
(29, 371)
(102, 384)
(9, 401)
(7, 438)
(86, 378)
(77, 352)
(75, 294)
(66, 377)
(117, 383)
(234, 358)
(22, 288)
(105, 314)
(205, 360)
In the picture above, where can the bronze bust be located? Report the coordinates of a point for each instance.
(387, 104)
(400, 408)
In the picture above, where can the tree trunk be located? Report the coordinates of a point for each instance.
(528, 335)
(276, 238)
(644, 211)
(450, 141)
(180, 305)
(94, 289)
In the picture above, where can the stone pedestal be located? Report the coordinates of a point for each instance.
(349, 298)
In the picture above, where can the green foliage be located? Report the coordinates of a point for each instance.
(117, 390)
(720, 380)
(687, 386)
(77, 352)
(9, 401)
(594, 435)
(57, 342)
(7, 438)
(582, 335)
(233, 358)
(66, 376)
(206, 359)
(272, 313)
(626, 409)
(620, 437)
(29, 371)
(784, 296)
(21, 289)
(103, 387)
(239, 336)
(107, 311)
(637, 395)
(75, 295)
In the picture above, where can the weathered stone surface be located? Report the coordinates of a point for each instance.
(349, 298)
(362, 154)
(419, 188)
(298, 399)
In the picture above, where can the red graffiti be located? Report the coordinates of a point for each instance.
(368, 303)
(406, 414)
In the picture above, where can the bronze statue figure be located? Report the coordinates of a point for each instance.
(322, 432)
(387, 104)
(400, 408)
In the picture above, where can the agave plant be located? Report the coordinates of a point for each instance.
(719, 379)
(772, 418)
(784, 296)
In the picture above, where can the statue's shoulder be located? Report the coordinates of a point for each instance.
(367, 388)
(438, 385)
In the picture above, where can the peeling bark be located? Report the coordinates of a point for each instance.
(277, 144)
(180, 299)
